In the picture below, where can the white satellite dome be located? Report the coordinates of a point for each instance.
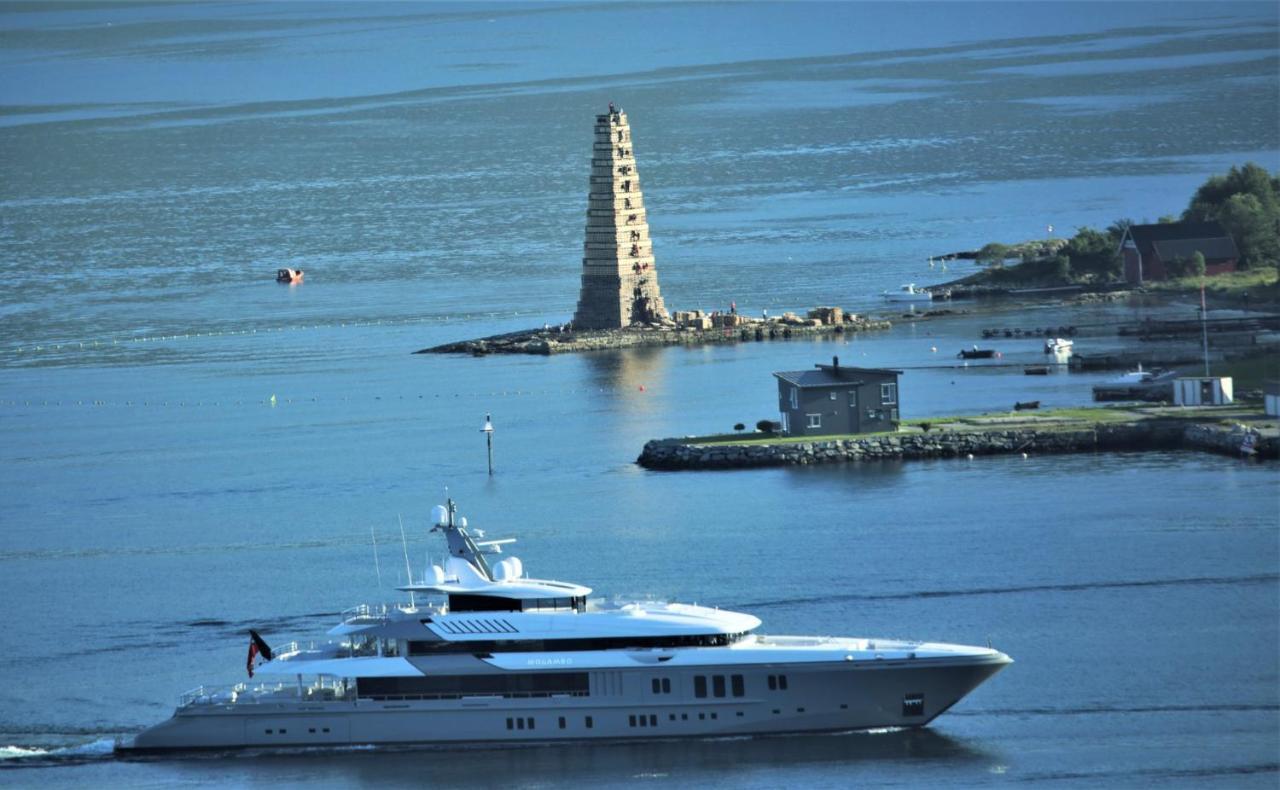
(440, 515)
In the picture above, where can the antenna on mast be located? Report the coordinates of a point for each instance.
(404, 544)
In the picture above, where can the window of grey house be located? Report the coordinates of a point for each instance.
(833, 396)
(815, 420)
(888, 393)
(795, 397)
(853, 399)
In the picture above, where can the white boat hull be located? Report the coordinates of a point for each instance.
(844, 695)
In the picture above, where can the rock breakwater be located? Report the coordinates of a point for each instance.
(677, 454)
(553, 341)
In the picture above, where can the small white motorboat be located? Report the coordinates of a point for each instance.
(1058, 345)
(908, 293)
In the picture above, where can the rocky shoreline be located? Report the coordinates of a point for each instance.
(1147, 434)
(554, 341)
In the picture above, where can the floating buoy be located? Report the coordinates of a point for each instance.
(273, 400)
(934, 349)
(1024, 455)
(969, 456)
(642, 388)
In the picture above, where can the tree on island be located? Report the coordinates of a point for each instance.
(1246, 201)
(1095, 252)
(994, 254)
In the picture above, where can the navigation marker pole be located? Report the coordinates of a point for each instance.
(1204, 328)
(487, 430)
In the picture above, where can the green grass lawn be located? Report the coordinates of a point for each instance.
(1047, 419)
(1259, 283)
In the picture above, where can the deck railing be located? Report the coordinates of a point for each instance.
(321, 690)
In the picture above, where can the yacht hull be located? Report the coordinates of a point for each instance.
(622, 705)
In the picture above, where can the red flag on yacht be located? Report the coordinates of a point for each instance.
(253, 653)
(257, 646)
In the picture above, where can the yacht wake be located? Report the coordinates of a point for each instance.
(12, 756)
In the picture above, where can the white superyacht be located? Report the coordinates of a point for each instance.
(508, 658)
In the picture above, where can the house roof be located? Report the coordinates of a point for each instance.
(1188, 236)
(827, 376)
(1213, 250)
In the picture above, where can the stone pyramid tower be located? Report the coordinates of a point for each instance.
(619, 279)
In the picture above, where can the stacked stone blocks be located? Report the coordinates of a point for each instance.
(619, 276)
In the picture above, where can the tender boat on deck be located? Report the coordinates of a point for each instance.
(502, 657)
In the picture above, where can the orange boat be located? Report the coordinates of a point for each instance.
(289, 276)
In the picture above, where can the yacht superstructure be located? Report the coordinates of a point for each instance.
(509, 658)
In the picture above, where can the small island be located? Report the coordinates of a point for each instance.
(1227, 239)
(1238, 429)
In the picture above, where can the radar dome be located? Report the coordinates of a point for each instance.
(517, 567)
(440, 515)
(435, 575)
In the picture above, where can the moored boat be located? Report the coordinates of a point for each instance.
(908, 293)
(977, 353)
(1058, 346)
(290, 276)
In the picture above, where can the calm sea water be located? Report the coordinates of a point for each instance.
(426, 165)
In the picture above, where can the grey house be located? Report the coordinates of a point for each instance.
(833, 400)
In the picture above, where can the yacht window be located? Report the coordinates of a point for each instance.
(562, 722)
(511, 724)
(653, 720)
(482, 603)
(657, 686)
(419, 647)
(773, 682)
(699, 686)
(666, 685)
(590, 723)
(739, 687)
(717, 683)
(913, 705)
(518, 684)
(782, 682)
